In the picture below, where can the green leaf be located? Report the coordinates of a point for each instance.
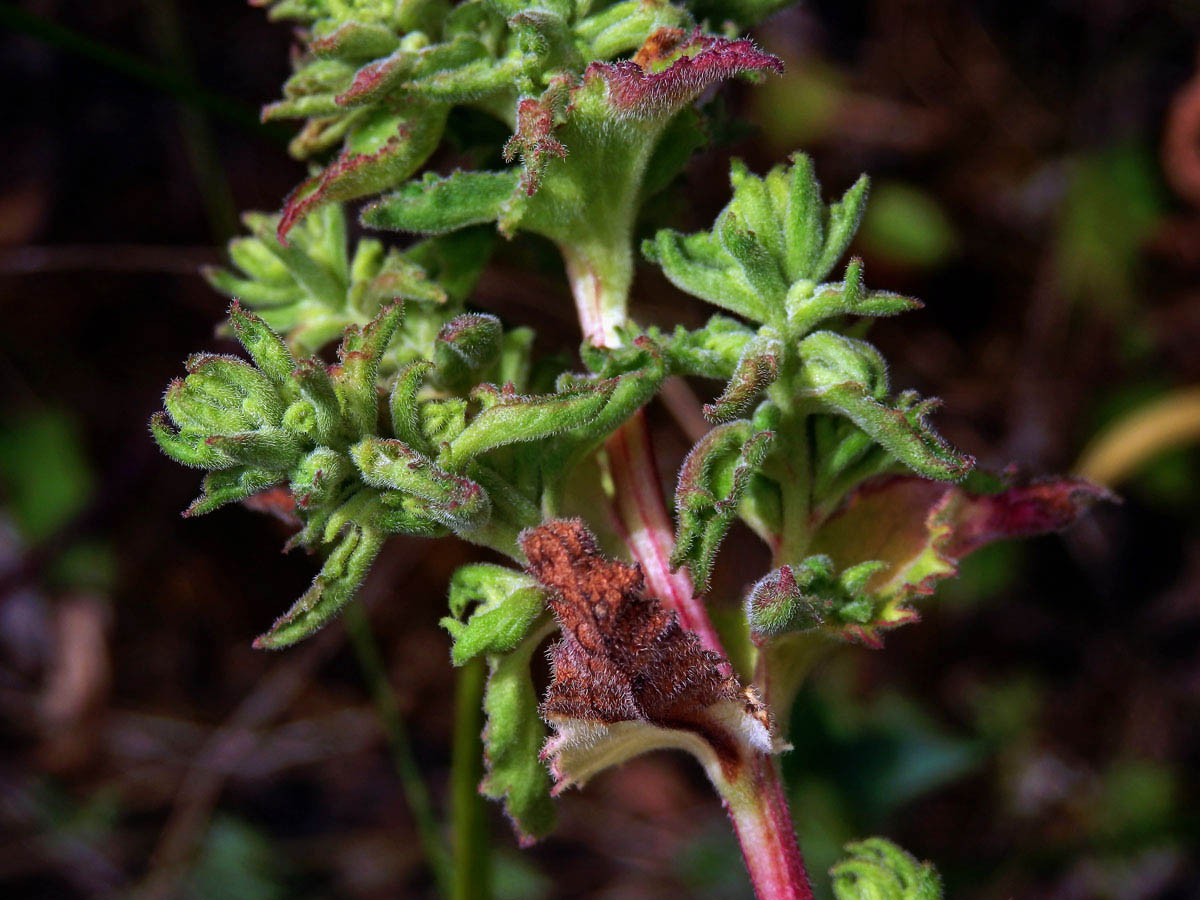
(439, 204)
(712, 351)
(404, 408)
(848, 377)
(231, 486)
(509, 602)
(268, 350)
(877, 869)
(318, 479)
(846, 298)
(360, 354)
(712, 481)
(338, 581)
(513, 740)
(699, 265)
(631, 392)
(318, 274)
(464, 347)
(269, 448)
(901, 429)
(770, 245)
(453, 500)
(840, 226)
(510, 418)
(754, 258)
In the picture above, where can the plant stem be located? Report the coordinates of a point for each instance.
(472, 849)
(759, 813)
(362, 640)
(600, 285)
(645, 525)
(755, 801)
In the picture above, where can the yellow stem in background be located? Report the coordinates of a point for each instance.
(1121, 449)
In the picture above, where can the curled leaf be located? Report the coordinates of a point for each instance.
(756, 370)
(877, 869)
(510, 418)
(626, 677)
(504, 605)
(336, 583)
(712, 481)
(453, 500)
(921, 528)
(383, 149)
(675, 71)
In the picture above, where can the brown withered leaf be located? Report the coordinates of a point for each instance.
(624, 658)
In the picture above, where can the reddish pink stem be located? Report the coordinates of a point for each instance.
(760, 816)
(755, 801)
(646, 526)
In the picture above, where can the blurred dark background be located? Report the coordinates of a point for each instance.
(1036, 173)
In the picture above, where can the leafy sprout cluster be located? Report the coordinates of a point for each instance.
(439, 419)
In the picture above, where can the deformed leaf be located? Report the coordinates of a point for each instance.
(455, 501)
(384, 148)
(712, 481)
(509, 418)
(508, 604)
(440, 204)
(231, 486)
(336, 583)
(678, 71)
(626, 677)
(849, 377)
(513, 739)
(465, 346)
(921, 528)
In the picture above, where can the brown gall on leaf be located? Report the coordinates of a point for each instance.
(922, 528)
(627, 677)
(636, 89)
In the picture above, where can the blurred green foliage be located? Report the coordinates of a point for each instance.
(906, 226)
(1113, 201)
(238, 862)
(46, 480)
(44, 471)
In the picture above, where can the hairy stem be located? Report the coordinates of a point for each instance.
(362, 640)
(759, 813)
(600, 285)
(472, 849)
(642, 518)
(755, 802)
